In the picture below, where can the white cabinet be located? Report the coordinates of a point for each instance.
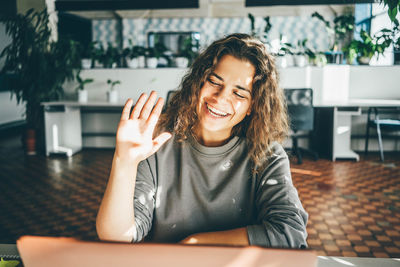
(62, 129)
(341, 142)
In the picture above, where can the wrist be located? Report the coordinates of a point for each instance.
(123, 160)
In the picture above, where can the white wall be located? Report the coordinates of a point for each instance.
(133, 82)
(375, 82)
(9, 110)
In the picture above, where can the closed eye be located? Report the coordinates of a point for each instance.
(213, 83)
(239, 95)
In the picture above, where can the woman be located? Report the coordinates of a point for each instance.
(220, 176)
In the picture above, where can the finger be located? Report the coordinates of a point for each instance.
(126, 110)
(155, 113)
(148, 106)
(160, 140)
(138, 107)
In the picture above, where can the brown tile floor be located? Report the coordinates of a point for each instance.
(354, 207)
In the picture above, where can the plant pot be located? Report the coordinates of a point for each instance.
(181, 62)
(86, 63)
(82, 96)
(363, 60)
(300, 60)
(320, 60)
(151, 62)
(284, 61)
(98, 64)
(112, 96)
(30, 142)
(334, 57)
(142, 61)
(133, 63)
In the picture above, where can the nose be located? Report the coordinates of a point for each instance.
(222, 95)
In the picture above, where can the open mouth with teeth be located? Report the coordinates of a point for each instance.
(215, 112)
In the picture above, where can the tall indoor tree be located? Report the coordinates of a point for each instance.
(36, 65)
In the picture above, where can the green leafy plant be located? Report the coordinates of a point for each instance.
(111, 56)
(98, 53)
(301, 47)
(341, 29)
(82, 82)
(369, 45)
(393, 8)
(186, 50)
(86, 51)
(265, 32)
(252, 25)
(112, 83)
(285, 47)
(157, 51)
(39, 64)
(133, 50)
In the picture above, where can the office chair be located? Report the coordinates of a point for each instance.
(301, 118)
(388, 125)
(170, 94)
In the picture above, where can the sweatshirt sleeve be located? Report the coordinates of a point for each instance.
(281, 218)
(144, 200)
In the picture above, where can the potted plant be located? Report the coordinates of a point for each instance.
(86, 54)
(98, 55)
(316, 58)
(340, 32)
(134, 56)
(151, 57)
(185, 55)
(264, 36)
(112, 94)
(40, 67)
(80, 89)
(363, 50)
(285, 52)
(300, 55)
(111, 57)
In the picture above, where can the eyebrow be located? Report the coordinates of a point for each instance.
(237, 86)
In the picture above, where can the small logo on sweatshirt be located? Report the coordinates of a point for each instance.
(226, 165)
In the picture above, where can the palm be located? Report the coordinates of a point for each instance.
(135, 131)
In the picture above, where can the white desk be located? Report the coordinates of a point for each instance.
(340, 114)
(63, 124)
(324, 261)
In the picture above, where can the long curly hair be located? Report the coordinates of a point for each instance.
(268, 120)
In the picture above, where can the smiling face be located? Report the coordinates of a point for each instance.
(224, 101)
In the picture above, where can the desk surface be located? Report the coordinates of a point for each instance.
(324, 261)
(360, 103)
(80, 104)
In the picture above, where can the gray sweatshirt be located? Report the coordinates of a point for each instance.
(187, 188)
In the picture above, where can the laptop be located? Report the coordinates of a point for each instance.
(66, 252)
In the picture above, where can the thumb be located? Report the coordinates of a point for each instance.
(160, 140)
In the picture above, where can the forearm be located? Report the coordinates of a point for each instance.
(115, 219)
(230, 237)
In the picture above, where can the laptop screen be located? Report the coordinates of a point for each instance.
(61, 251)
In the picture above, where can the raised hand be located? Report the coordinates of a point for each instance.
(134, 139)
